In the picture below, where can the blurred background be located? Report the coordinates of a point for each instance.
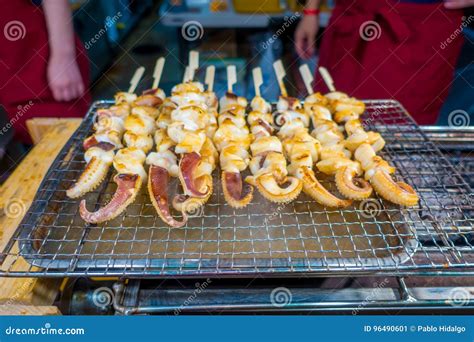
(242, 32)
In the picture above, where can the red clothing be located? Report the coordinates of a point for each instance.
(402, 56)
(24, 54)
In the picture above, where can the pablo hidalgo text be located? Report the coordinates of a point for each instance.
(441, 328)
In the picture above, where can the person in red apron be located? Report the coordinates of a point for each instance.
(380, 49)
(44, 71)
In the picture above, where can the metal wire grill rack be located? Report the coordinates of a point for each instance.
(298, 238)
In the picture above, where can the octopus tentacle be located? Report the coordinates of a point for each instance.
(92, 141)
(204, 182)
(128, 186)
(188, 204)
(232, 140)
(396, 192)
(320, 194)
(303, 151)
(378, 172)
(350, 186)
(187, 168)
(268, 164)
(158, 191)
(235, 193)
(273, 191)
(90, 179)
(148, 100)
(100, 146)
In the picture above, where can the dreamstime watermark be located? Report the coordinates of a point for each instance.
(192, 30)
(14, 30)
(459, 296)
(20, 292)
(14, 208)
(21, 110)
(456, 32)
(459, 119)
(197, 291)
(367, 123)
(288, 21)
(370, 208)
(109, 22)
(103, 120)
(378, 287)
(370, 30)
(47, 329)
(103, 297)
(188, 206)
(193, 208)
(276, 212)
(281, 297)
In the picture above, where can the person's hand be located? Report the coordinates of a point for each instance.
(458, 4)
(305, 36)
(64, 77)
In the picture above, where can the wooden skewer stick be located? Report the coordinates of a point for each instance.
(280, 74)
(231, 77)
(307, 78)
(190, 75)
(193, 64)
(136, 79)
(327, 78)
(186, 75)
(160, 62)
(210, 73)
(257, 80)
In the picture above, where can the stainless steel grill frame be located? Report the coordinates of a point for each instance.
(263, 239)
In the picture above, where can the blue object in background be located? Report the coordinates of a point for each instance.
(461, 94)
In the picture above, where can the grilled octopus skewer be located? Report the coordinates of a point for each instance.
(128, 162)
(366, 144)
(163, 165)
(268, 163)
(347, 174)
(336, 160)
(191, 125)
(164, 162)
(333, 154)
(107, 138)
(208, 156)
(232, 140)
(187, 129)
(378, 173)
(99, 147)
(301, 149)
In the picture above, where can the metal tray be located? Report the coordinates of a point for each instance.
(372, 236)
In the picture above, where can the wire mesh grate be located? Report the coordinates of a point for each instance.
(373, 236)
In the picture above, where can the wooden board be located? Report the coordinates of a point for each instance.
(38, 127)
(29, 310)
(20, 188)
